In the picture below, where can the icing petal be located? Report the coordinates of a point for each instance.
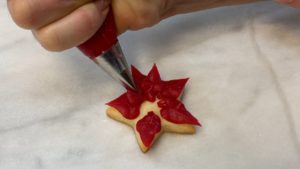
(148, 127)
(173, 88)
(153, 75)
(174, 111)
(134, 98)
(151, 90)
(138, 77)
(152, 85)
(128, 104)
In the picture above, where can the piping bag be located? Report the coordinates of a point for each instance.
(104, 49)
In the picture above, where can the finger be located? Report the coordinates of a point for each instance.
(134, 15)
(196, 5)
(73, 29)
(292, 3)
(32, 14)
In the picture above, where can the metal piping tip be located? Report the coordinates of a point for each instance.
(114, 63)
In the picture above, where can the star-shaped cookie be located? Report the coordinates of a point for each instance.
(153, 108)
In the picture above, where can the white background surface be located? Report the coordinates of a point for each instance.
(244, 65)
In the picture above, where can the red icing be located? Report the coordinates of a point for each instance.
(128, 104)
(149, 88)
(102, 40)
(174, 111)
(173, 88)
(148, 127)
(138, 77)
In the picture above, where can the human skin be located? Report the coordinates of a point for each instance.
(63, 24)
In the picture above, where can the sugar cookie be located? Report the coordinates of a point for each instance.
(153, 108)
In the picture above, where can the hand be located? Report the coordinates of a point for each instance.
(62, 24)
(292, 3)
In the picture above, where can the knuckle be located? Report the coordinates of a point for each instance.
(147, 17)
(90, 18)
(21, 13)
